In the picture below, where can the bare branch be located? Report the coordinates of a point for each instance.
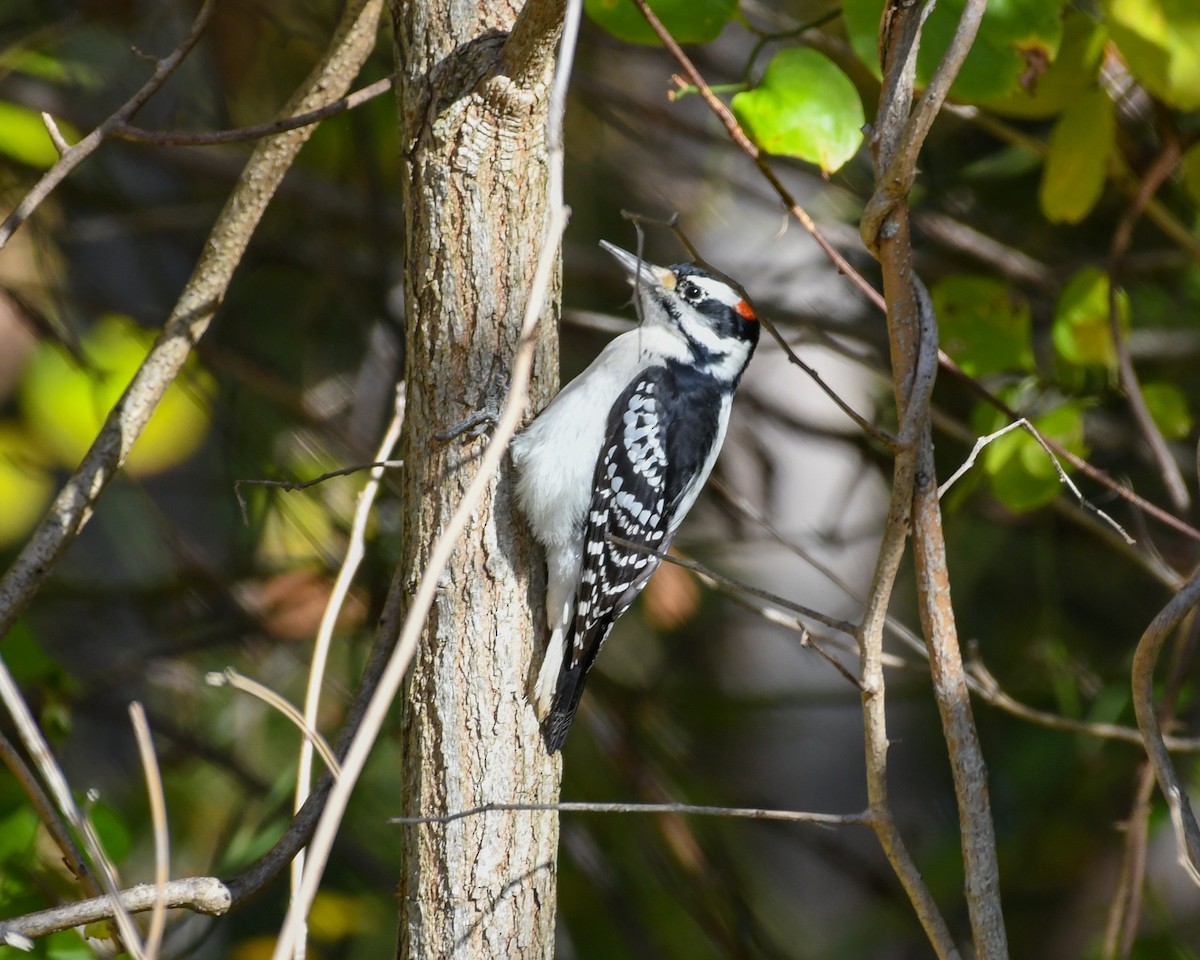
(687, 809)
(173, 138)
(1150, 509)
(1145, 658)
(71, 157)
(1029, 428)
(206, 895)
(56, 137)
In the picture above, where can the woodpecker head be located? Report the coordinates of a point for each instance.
(714, 321)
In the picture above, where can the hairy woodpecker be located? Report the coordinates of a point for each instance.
(622, 452)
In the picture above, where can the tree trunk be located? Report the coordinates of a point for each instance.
(473, 83)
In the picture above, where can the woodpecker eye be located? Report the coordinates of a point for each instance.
(689, 291)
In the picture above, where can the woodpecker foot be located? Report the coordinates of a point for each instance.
(481, 420)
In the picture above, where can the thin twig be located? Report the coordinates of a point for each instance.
(56, 137)
(422, 599)
(48, 815)
(988, 688)
(1029, 428)
(293, 485)
(1150, 509)
(687, 809)
(1168, 468)
(230, 677)
(745, 594)
(179, 138)
(73, 156)
(158, 820)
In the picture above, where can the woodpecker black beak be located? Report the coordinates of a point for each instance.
(639, 271)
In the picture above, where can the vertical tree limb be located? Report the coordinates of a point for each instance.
(912, 334)
(473, 88)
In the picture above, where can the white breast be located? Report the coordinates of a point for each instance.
(556, 455)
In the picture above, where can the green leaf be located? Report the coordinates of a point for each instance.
(114, 835)
(1080, 330)
(23, 136)
(1046, 90)
(1077, 161)
(29, 663)
(1013, 36)
(688, 21)
(17, 833)
(983, 325)
(65, 404)
(1190, 169)
(1160, 42)
(1168, 408)
(1022, 474)
(804, 107)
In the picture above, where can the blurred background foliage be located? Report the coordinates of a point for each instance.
(1062, 112)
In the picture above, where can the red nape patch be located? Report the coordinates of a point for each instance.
(745, 310)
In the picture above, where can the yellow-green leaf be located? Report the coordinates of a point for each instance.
(65, 404)
(804, 107)
(1190, 169)
(23, 136)
(983, 324)
(1022, 474)
(25, 484)
(1077, 161)
(688, 21)
(1168, 409)
(1081, 332)
(1160, 42)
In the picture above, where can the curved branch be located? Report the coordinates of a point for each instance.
(1187, 832)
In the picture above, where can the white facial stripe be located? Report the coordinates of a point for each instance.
(718, 290)
(729, 356)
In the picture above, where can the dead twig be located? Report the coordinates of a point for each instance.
(1024, 424)
(686, 809)
(71, 156)
(179, 138)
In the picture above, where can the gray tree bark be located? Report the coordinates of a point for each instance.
(473, 84)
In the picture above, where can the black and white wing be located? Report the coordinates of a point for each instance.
(650, 461)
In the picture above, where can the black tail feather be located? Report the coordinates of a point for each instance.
(566, 704)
